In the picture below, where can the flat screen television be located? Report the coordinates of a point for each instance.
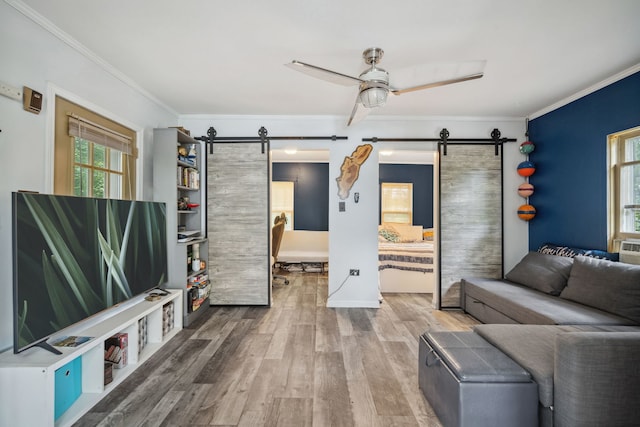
(74, 257)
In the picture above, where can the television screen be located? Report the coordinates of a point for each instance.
(74, 257)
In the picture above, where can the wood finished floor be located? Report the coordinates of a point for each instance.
(297, 363)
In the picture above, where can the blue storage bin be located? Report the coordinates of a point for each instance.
(68, 386)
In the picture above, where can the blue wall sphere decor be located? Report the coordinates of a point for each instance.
(526, 168)
(527, 147)
(526, 212)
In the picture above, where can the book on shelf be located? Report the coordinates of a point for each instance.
(188, 177)
(187, 160)
(199, 280)
(188, 235)
(115, 349)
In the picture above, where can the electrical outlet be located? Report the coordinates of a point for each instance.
(10, 91)
(354, 272)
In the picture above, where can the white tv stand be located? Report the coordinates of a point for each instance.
(27, 379)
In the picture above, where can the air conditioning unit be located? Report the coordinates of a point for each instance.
(630, 251)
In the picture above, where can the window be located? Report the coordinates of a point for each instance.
(94, 156)
(396, 202)
(624, 187)
(282, 201)
(97, 170)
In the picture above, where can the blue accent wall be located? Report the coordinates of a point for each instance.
(571, 161)
(422, 178)
(310, 193)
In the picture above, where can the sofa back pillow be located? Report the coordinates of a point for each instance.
(569, 251)
(610, 286)
(542, 272)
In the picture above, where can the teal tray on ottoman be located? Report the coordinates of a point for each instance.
(468, 382)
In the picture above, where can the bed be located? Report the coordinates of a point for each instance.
(305, 249)
(405, 260)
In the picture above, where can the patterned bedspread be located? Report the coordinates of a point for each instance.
(416, 256)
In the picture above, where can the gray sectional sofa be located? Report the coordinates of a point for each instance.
(574, 325)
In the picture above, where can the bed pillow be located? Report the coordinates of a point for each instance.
(544, 273)
(610, 286)
(408, 233)
(389, 233)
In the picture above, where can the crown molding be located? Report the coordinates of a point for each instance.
(342, 118)
(84, 51)
(604, 83)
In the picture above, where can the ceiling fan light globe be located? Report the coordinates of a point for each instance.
(373, 97)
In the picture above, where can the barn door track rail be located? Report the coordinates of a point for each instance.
(262, 138)
(444, 140)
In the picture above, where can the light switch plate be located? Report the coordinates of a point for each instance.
(10, 91)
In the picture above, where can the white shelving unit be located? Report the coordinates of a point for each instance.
(168, 187)
(27, 379)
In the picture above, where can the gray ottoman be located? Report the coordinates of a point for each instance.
(469, 382)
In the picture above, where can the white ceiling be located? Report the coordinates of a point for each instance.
(226, 57)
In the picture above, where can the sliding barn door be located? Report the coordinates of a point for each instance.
(470, 217)
(238, 224)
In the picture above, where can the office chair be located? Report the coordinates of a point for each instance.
(277, 231)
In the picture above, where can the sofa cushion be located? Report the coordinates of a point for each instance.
(526, 305)
(609, 286)
(533, 348)
(530, 346)
(545, 273)
(596, 379)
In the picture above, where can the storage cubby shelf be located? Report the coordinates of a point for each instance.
(27, 380)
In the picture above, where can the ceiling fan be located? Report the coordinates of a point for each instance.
(373, 82)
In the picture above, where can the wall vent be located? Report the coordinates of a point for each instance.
(630, 251)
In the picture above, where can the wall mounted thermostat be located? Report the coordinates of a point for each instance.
(31, 100)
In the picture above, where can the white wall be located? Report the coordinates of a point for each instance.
(353, 233)
(31, 56)
(34, 57)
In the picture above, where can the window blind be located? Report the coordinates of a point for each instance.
(282, 196)
(397, 202)
(86, 129)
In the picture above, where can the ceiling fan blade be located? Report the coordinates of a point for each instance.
(323, 73)
(436, 84)
(358, 113)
